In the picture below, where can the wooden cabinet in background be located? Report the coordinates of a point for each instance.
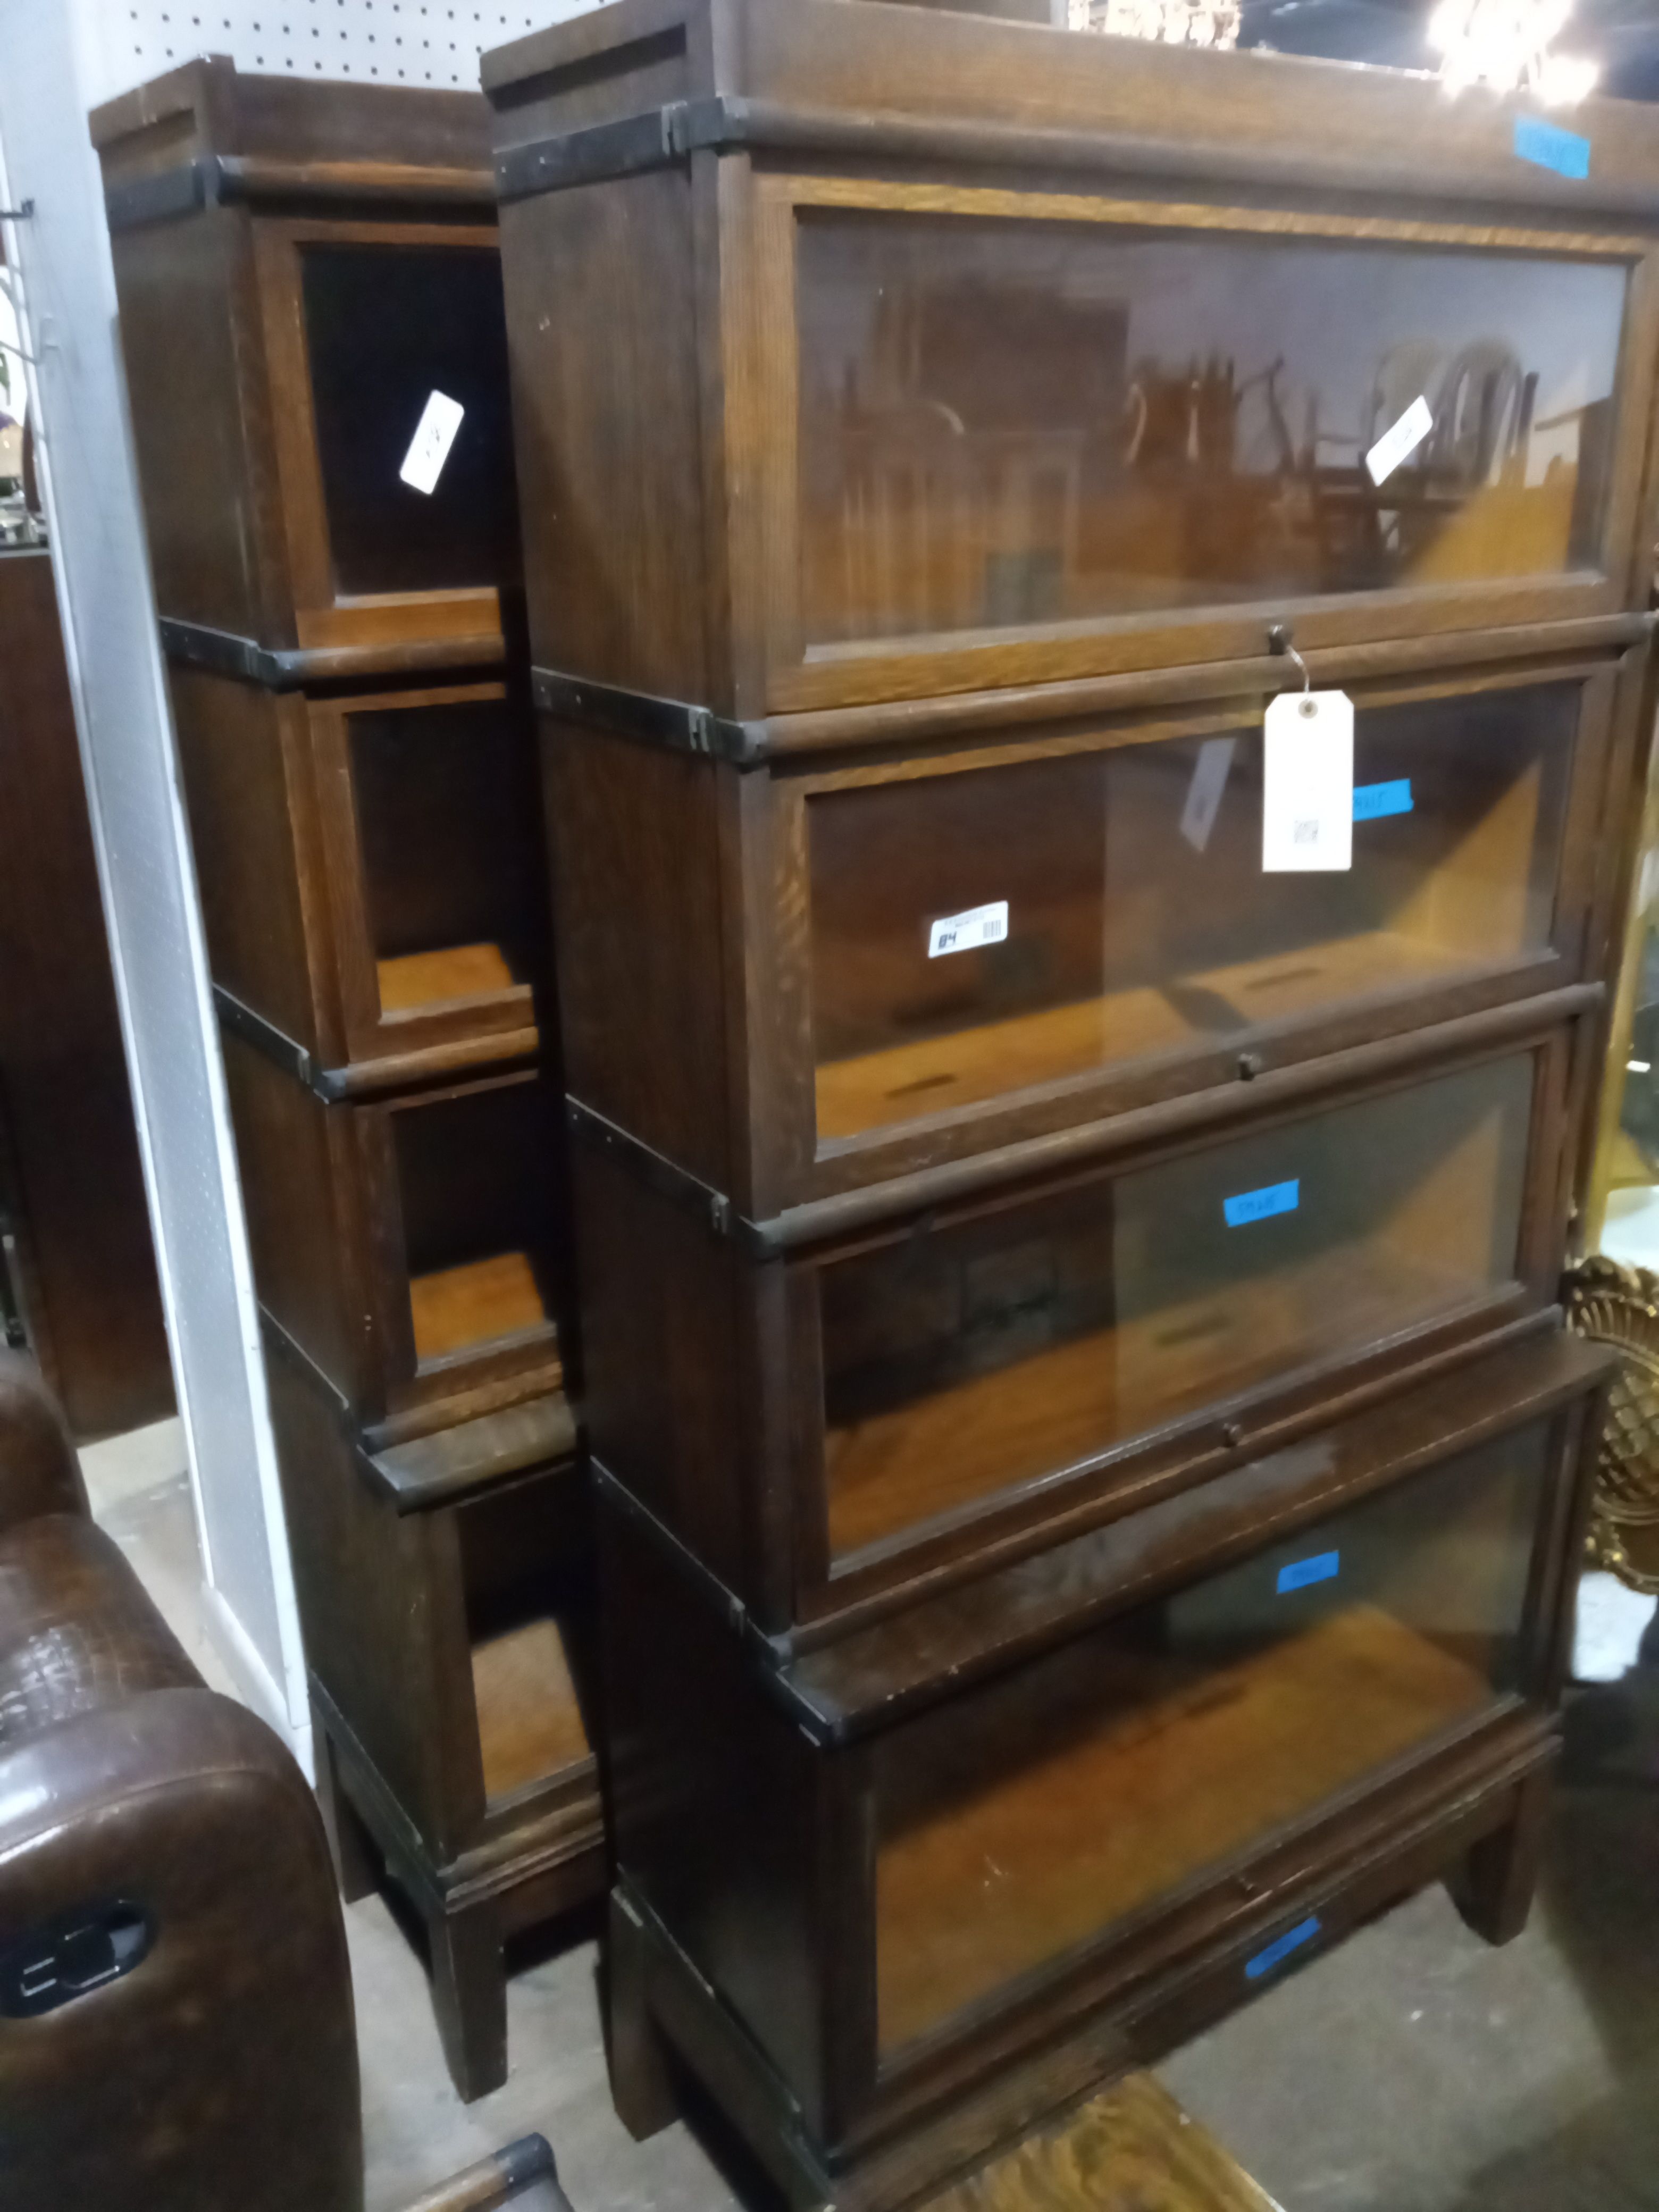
(312, 320)
(84, 1283)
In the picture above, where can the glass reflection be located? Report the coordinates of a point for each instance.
(1004, 423)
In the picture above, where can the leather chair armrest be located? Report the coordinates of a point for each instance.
(39, 1471)
(219, 2069)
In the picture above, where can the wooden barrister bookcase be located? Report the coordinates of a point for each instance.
(305, 272)
(1088, 1466)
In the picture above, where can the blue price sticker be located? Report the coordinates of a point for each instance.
(1371, 800)
(1323, 1567)
(1261, 1205)
(1278, 1952)
(1550, 147)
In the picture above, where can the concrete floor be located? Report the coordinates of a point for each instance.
(1412, 2070)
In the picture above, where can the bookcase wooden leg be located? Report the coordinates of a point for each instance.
(641, 2085)
(469, 1993)
(1493, 1890)
(357, 1860)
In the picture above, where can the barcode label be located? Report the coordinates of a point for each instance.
(966, 933)
(428, 449)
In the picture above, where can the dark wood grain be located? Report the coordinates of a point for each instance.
(81, 1214)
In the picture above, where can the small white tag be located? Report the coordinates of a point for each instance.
(965, 932)
(1204, 793)
(1400, 443)
(428, 449)
(1307, 782)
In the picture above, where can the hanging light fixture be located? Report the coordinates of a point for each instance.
(1507, 43)
(1172, 22)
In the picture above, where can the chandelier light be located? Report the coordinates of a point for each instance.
(1507, 43)
(1172, 22)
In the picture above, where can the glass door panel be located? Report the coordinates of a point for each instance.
(1006, 423)
(1018, 1823)
(387, 326)
(963, 1363)
(976, 933)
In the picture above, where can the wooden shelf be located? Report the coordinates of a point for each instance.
(529, 1717)
(994, 1059)
(415, 982)
(1104, 1810)
(481, 1302)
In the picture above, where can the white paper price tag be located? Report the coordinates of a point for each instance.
(428, 449)
(1307, 782)
(966, 933)
(1402, 441)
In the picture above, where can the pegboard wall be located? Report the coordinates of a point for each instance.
(435, 42)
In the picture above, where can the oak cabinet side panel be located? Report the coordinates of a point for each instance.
(306, 1257)
(196, 388)
(638, 899)
(659, 1343)
(381, 1612)
(243, 755)
(713, 1802)
(601, 342)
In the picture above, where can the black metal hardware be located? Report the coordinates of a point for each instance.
(650, 720)
(266, 1037)
(170, 194)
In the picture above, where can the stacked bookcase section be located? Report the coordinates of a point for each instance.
(1088, 1463)
(311, 311)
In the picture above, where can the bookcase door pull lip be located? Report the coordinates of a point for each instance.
(295, 668)
(212, 179)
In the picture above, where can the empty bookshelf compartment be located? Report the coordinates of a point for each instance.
(444, 794)
(405, 350)
(1024, 1822)
(987, 930)
(475, 1192)
(1016, 1342)
(527, 1576)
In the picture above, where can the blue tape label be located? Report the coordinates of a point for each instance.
(1322, 1568)
(1261, 1205)
(1550, 147)
(1372, 800)
(1265, 1962)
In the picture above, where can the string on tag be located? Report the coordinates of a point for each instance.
(1279, 641)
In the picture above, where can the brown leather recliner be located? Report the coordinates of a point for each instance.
(176, 2030)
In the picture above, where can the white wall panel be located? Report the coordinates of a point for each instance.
(391, 41)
